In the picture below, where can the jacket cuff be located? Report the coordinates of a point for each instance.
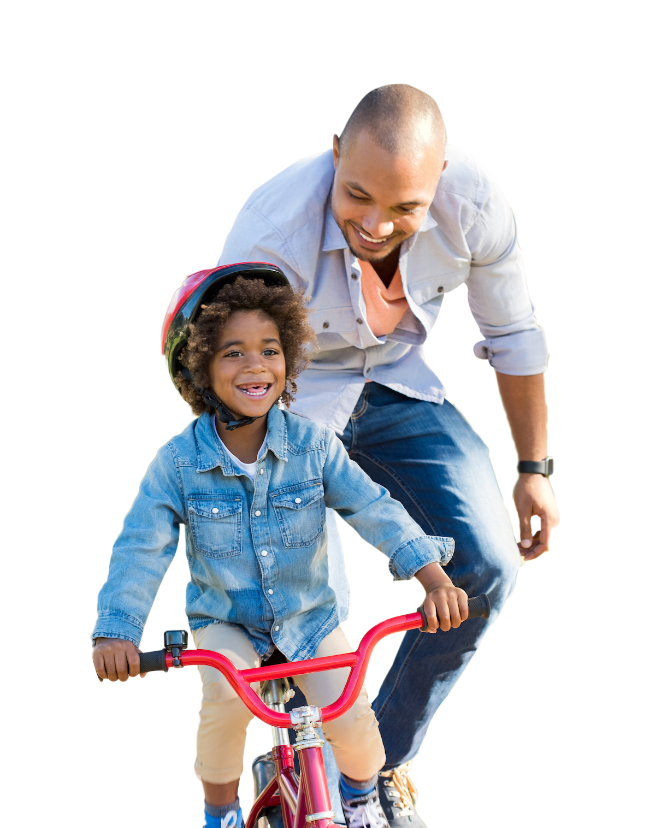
(118, 625)
(413, 555)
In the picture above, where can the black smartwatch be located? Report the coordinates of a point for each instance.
(544, 467)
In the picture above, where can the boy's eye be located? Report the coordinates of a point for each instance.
(269, 352)
(233, 354)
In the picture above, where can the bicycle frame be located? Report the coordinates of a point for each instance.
(305, 802)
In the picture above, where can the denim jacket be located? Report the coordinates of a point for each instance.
(257, 552)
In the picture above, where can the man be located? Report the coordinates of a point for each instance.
(375, 233)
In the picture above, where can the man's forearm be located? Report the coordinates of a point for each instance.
(525, 405)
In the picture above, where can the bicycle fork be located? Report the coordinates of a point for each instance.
(305, 803)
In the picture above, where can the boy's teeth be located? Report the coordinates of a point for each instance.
(255, 390)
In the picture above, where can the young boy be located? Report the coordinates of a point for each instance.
(251, 482)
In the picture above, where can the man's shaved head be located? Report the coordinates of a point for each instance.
(400, 118)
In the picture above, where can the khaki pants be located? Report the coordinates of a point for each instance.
(354, 737)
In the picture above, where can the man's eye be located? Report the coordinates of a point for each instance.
(358, 197)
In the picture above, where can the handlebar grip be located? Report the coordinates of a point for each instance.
(150, 662)
(479, 607)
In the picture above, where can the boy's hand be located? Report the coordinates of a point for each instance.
(445, 605)
(116, 659)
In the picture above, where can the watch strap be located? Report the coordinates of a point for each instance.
(544, 467)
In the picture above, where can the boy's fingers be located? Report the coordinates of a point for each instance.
(454, 611)
(463, 606)
(134, 663)
(109, 665)
(121, 665)
(432, 617)
(98, 663)
(443, 615)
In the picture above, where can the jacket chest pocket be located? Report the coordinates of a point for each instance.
(300, 511)
(215, 524)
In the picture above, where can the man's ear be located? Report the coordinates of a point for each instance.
(336, 149)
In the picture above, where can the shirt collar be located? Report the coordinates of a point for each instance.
(210, 451)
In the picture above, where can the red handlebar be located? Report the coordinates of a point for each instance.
(240, 680)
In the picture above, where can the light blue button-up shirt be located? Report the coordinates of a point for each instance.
(468, 237)
(257, 551)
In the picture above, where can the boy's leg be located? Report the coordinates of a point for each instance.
(223, 718)
(354, 737)
(430, 459)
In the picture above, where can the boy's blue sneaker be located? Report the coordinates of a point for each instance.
(231, 819)
(363, 810)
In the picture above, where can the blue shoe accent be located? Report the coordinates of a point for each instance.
(232, 819)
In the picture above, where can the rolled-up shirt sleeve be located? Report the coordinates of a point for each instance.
(514, 343)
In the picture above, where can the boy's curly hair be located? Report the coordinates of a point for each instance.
(283, 306)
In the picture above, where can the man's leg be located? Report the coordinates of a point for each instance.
(430, 459)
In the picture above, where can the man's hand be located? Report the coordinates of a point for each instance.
(533, 495)
(116, 659)
(445, 605)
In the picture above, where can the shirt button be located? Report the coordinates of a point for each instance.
(354, 276)
(257, 513)
(264, 553)
(277, 629)
(270, 592)
(359, 321)
(440, 289)
(261, 471)
(298, 500)
(326, 324)
(214, 511)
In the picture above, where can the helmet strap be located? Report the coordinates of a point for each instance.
(211, 400)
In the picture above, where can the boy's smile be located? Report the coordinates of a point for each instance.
(248, 371)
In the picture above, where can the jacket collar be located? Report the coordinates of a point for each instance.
(210, 452)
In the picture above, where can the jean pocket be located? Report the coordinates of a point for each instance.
(300, 511)
(215, 523)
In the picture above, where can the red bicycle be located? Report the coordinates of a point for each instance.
(304, 799)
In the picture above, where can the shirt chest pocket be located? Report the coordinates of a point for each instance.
(300, 511)
(215, 524)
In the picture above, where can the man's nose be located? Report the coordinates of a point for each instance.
(376, 225)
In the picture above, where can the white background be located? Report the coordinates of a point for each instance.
(50, 53)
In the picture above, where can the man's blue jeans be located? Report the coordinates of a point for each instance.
(430, 459)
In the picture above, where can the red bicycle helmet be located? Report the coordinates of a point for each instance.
(185, 306)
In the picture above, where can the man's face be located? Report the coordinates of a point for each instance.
(380, 199)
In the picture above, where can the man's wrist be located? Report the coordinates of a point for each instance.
(543, 467)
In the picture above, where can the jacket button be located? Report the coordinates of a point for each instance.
(214, 511)
(326, 324)
(261, 471)
(270, 592)
(277, 629)
(264, 553)
(440, 289)
(257, 513)
(298, 500)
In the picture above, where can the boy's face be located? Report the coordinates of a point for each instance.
(248, 371)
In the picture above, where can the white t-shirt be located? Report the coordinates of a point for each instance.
(249, 469)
